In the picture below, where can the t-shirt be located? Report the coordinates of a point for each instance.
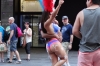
(2, 31)
(13, 26)
(66, 32)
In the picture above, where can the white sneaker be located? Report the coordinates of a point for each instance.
(68, 64)
(3, 61)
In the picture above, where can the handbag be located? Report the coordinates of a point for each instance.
(24, 42)
(3, 47)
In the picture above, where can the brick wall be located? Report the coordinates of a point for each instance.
(6, 11)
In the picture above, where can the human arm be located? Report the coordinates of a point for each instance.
(71, 41)
(77, 26)
(71, 37)
(11, 33)
(60, 36)
(53, 15)
(45, 35)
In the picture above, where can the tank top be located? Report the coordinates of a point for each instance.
(90, 30)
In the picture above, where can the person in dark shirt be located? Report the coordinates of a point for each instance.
(13, 39)
(67, 37)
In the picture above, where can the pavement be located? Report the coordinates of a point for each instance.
(39, 57)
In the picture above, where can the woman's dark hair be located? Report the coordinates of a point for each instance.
(96, 2)
(45, 16)
(28, 23)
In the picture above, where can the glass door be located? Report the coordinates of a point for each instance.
(37, 40)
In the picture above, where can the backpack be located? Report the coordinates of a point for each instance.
(19, 32)
(6, 36)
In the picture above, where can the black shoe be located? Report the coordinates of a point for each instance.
(28, 59)
(14, 58)
(7, 59)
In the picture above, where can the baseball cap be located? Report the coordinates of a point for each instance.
(64, 17)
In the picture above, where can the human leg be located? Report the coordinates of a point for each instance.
(11, 56)
(8, 51)
(27, 49)
(60, 52)
(65, 46)
(96, 58)
(85, 59)
(2, 56)
(54, 58)
(13, 49)
(18, 56)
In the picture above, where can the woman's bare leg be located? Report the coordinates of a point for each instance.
(2, 56)
(60, 52)
(54, 58)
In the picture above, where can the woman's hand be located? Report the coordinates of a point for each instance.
(61, 2)
(58, 37)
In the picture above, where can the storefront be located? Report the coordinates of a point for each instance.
(30, 11)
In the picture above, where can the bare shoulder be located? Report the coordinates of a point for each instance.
(30, 29)
(81, 17)
(80, 14)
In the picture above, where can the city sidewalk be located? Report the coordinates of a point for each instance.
(39, 57)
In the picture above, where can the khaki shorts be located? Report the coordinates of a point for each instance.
(65, 46)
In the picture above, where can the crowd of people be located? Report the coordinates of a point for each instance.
(86, 28)
(59, 40)
(12, 52)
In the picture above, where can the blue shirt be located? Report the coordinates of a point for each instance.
(2, 31)
(66, 32)
(13, 26)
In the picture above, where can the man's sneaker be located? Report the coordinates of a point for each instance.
(18, 62)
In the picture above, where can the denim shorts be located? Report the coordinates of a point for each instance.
(13, 45)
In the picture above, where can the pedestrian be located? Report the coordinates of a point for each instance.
(54, 47)
(13, 39)
(67, 36)
(28, 39)
(87, 29)
(8, 46)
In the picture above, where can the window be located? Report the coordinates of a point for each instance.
(30, 6)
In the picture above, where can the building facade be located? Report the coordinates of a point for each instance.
(31, 11)
(24, 11)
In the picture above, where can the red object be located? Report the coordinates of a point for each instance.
(48, 5)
